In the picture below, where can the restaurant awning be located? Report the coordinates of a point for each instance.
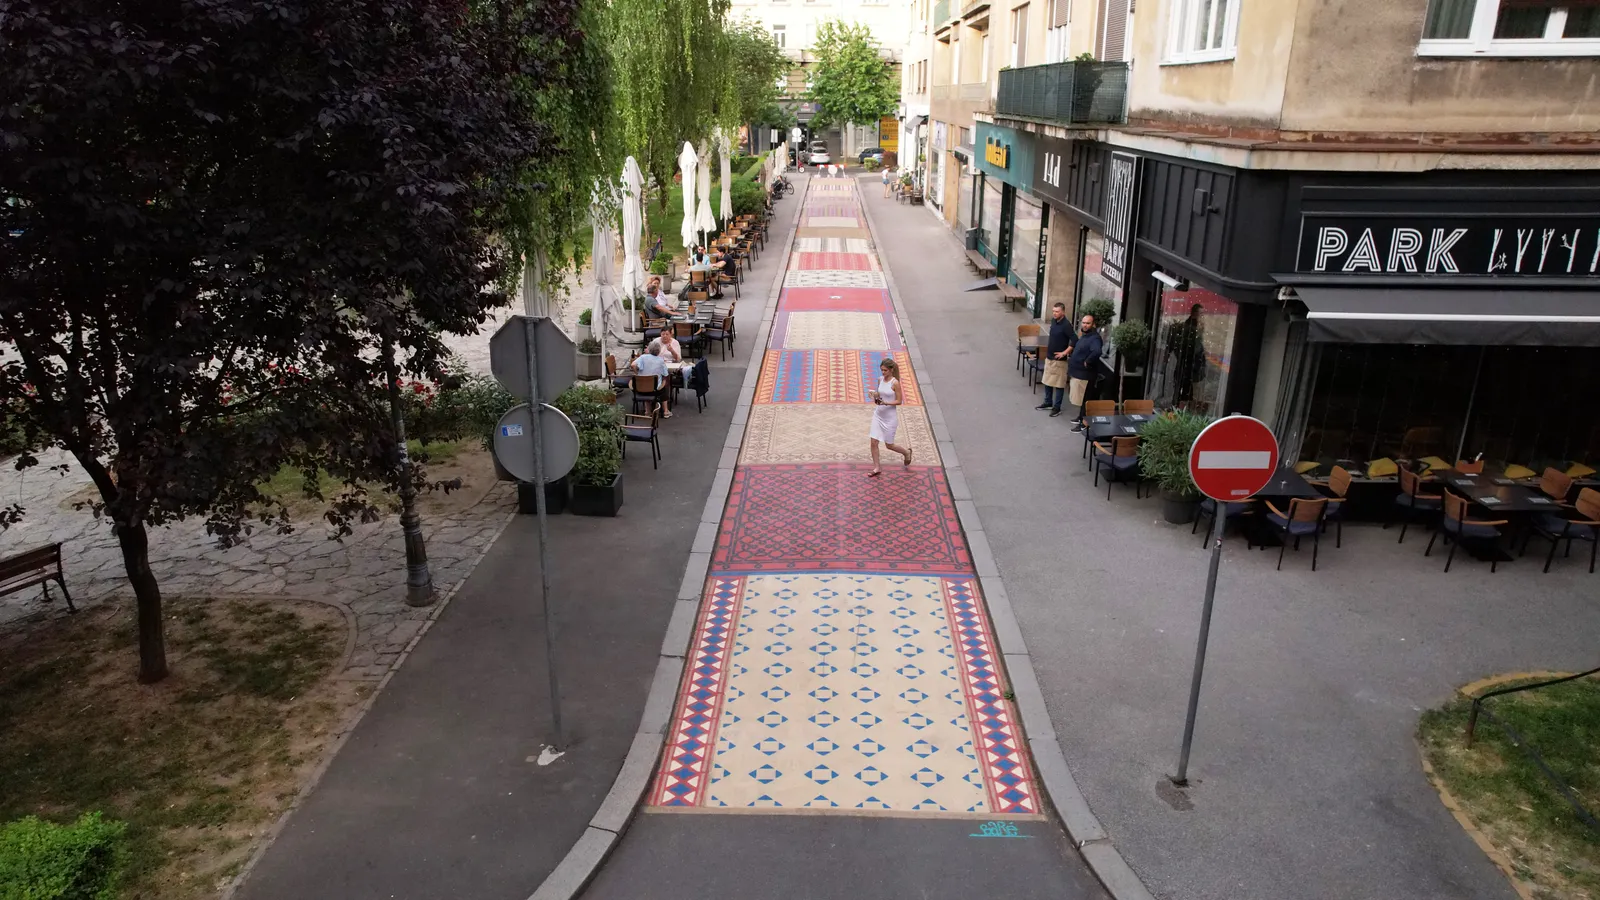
(1394, 315)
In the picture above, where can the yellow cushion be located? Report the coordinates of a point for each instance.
(1306, 465)
(1516, 471)
(1379, 468)
(1434, 462)
(1579, 470)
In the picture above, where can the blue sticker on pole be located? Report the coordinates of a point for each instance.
(511, 431)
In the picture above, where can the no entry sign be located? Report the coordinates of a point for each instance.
(1233, 458)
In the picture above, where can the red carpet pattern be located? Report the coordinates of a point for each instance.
(843, 659)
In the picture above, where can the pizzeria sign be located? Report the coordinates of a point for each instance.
(1504, 246)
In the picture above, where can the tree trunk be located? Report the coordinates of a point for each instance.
(135, 543)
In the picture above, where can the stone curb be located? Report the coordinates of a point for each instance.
(581, 863)
(349, 727)
(1049, 762)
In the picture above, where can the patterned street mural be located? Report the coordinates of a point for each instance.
(842, 659)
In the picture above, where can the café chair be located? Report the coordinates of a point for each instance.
(1555, 484)
(618, 382)
(721, 331)
(643, 430)
(687, 335)
(725, 279)
(1456, 528)
(1412, 502)
(646, 393)
(1231, 511)
(1556, 528)
(1118, 461)
(1035, 370)
(1025, 331)
(1337, 485)
(1138, 407)
(1304, 519)
(1092, 408)
(653, 328)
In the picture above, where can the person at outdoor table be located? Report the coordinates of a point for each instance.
(727, 266)
(1081, 363)
(657, 303)
(1054, 378)
(671, 350)
(651, 363)
(697, 256)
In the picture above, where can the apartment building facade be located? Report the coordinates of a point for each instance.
(1383, 240)
(794, 25)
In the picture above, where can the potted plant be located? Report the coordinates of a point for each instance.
(597, 475)
(1131, 337)
(589, 365)
(1164, 459)
(585, 325)
(1102, 309)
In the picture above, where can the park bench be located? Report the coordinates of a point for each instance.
(983, 266)
(34, 567)
(1010, 293)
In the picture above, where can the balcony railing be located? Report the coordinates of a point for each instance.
(1073, 93)
(941, 13)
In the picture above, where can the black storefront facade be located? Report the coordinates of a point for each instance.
(1364, 315)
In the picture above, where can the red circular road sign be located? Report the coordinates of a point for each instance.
(1233, 458)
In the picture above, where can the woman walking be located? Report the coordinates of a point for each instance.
(886, 417)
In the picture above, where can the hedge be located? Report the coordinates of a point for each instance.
(754, 170)
(42, 860)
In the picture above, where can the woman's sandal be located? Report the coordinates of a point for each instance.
(909, 453)
(874, 474)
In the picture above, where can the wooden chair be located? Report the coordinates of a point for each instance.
(1138, 407)
(1100, 408)
(1118, 461)
(647, 392)
(654, 327)
(643, 429)
(1555, 484)
(1025, 331)
(1304, 519)
(1035, 370)
(1338, 485)
(1412, 501)
(618, 382)
(1469, 468)
(688, 335)
(725, 279)
(695, 298)
(720, 331)
(1456, 527)
(1556, 528)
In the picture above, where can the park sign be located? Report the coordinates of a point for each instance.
(1233, 458)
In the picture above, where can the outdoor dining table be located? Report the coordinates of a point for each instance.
(1287, 484)
(1495, 492)
(1103, 427)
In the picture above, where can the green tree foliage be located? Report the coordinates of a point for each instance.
(669, 61)
(218, 212)
(756, 64)
(850, 82)
(40, 859)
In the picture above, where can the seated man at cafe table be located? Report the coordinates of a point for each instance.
(651, 363)
(657, 303)
(726, 266)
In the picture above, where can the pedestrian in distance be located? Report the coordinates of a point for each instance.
(1083, 364)
(886, 416)
(888, 179)
(1056, 350)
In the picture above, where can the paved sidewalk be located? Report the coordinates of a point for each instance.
(1308, 782)
(844, 703)
(437, 793)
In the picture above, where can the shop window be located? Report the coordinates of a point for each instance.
(1202, 30)
(1093, 285)
(1028, 221)
(964, 182)
(992, 188)
(1511, 28)
(1194, 350)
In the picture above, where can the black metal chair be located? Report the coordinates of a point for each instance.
(1231, 512)
(1456, 527)
(1118, 461)
(648, 392)
(1338, 485)
(720, 331)
(1304, 519)
(643, 430)
(1556, 528)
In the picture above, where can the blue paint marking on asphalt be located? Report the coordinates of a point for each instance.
(998, 830)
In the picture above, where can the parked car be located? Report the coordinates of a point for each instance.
(870, 153)
(819, 154)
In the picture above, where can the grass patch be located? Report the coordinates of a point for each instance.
(1551, 850)
(288, 485)
(197, 765)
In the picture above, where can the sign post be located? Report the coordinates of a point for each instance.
(532, 359)
(1232, 459)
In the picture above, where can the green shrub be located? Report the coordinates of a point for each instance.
(1131, 337)
(586, 317)
(1164, 451)
(748, 198)
(14, 437)
(752, 170)
(42, 860)
(589, 345)
(462, 406)
(593, 410)
(873, 164)
(658, 266)
(1099, 307)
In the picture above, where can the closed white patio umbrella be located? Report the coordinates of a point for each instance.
(723, 148)
(603, 258)
(686, 164)
(631, 283)
(704, 222)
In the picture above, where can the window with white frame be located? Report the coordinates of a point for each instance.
(1511, 28)
(780, 35)
(1057, 39)
(955, 57)
(1019, 37)
(1202, 30)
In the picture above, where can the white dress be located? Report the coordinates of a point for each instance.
(885, 419)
